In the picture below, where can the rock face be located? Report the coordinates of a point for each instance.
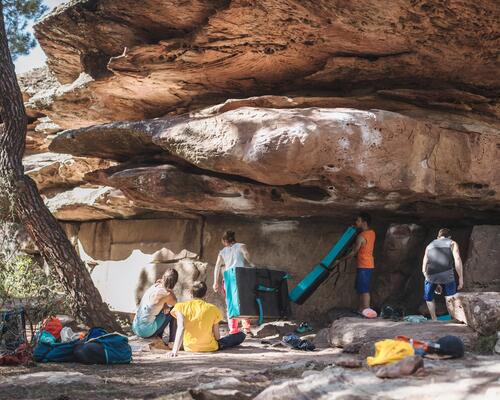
(116, 239)
(482, 270)
(91, 203)
(143, 61)
(51, 170)
(317, 160)
(358, 335)
(480, 311)
(293, 245)
(399, 269)
(122, 283)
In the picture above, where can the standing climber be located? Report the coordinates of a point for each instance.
(441, 259)
(233, 255)
(363, 251)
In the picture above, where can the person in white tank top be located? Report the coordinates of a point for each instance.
(232, 255)
(152, 316)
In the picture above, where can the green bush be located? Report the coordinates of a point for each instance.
(23, 281)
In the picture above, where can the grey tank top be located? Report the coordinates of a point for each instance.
(440, 261)
(148, 309)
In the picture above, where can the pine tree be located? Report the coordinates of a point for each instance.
(18, 14)
(27, 204)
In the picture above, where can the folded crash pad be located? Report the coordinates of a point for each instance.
(320, 271)
(256, 293)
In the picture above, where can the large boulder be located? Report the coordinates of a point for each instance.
(482, 269)
(479, 310)
(142, 61)
(122, 283)
(358, 334)
(318, 159)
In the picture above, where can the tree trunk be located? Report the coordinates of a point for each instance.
(65, 264)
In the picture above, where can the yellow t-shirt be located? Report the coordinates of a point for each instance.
(199, 319)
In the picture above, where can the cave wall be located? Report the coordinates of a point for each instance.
(293, 245)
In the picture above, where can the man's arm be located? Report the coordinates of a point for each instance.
(179, 334)
(216, 331)
(218, 265)
(360, 240)
(424, 264)
(246, 254)
(458, 265)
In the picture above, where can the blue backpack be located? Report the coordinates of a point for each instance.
(54, 352)
(98, 347)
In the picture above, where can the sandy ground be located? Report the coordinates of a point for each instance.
(242, 372)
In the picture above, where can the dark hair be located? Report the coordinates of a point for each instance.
(199, 289)
(229, 236)
(444, 232)
(170, 278)
(366, 218)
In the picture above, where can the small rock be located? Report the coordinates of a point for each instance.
(407, 366)
(220, 383)
(348, 363)
(278, 328)
(322, 339)
(309, 373)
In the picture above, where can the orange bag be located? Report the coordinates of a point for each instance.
(53, 325)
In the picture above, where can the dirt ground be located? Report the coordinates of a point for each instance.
(241, 373)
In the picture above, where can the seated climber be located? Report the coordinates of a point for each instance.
(153, 316)
(441, 259)
(198, 325)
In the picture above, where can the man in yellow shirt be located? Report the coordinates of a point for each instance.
(198, 325)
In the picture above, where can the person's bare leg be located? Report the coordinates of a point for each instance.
(364, 301)
(431, 305)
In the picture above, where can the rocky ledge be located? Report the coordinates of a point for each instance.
(298, 162)
(144, 60)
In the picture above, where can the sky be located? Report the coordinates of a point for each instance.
(36, 58)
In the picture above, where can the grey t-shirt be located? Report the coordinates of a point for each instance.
(440, 261)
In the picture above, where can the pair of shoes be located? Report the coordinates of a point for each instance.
(294, 342)
(303, 328)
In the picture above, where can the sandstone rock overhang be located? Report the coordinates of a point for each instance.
(303, 161)
(143, 60)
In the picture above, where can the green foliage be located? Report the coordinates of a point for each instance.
(17, 15)
(23, 281)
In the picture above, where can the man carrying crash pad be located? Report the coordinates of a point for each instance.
(198, 325)
(363, 251)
